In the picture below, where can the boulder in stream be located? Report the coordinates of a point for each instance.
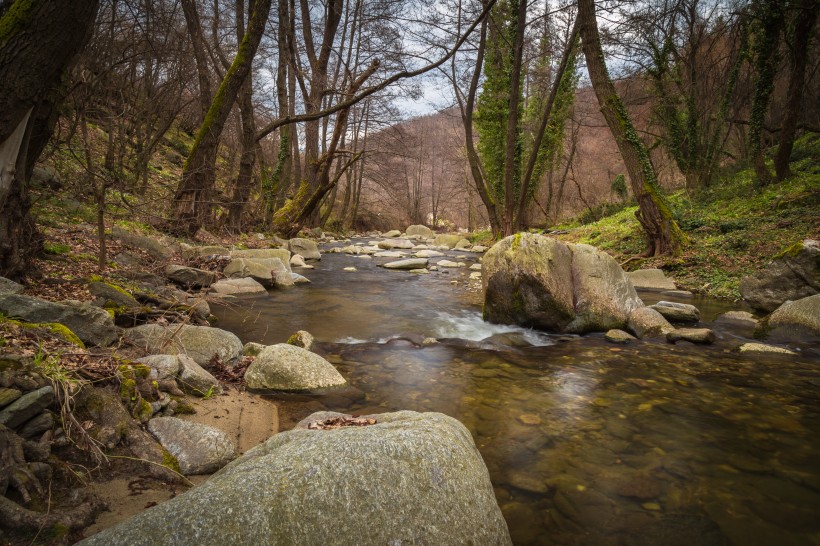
(646, 322)
(308, 249)
(793, 275)
(701, 336)
(419, 231)
(410, 263)
(795, 321)
(410, 478)
(677, 312)
(284, 367)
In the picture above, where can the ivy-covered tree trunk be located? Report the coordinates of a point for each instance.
(193, 199)
(805, 16)
(39, 40)
(662, 233)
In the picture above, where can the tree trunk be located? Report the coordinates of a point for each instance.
(192, 202)
(660, 229)
(38, 42)
(200, 55)
(805, 17)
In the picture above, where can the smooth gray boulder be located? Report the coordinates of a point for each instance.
(189, 277)
(427, 253)
(701, 336)
(199, 448)
(410, 263)
(305, 247)
(201, 343)
(264, 254)
(418, 231)
(412, 478)
(651, 279)
(8, 286)
(793, 275)
(677, 312)
(539, 282)
(392, 244)
(284, 367)
(196, 380)
(645, 322)
(161, 366)
(90, 323)
(26, 407)
(795, 321)
(245, 285)
(266, 271)
(450, 241)
(392, 233)
(463, 244)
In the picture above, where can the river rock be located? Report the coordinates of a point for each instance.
(449, 241)
(297, 260)
(677, 312)
(37, 425)
(199, 449)
(202, 251)
(703, 336)
(201, 343)
(295, 278)
(245, 285)
(651, 279)
(395, 243)
(418, 231)
(8, 395)
(110, 295)
(796, 320)
(618, 336)
(252, 348)
(761, 348)
(190, 277)
(412, 478)
(305, 247)
(303, 339)
(427, 253)
(793, 275)
(463, 244)
(448, 263)
(536, 281)
(389, 254)
(285, 367)
(91, 324)
(156, 248)
(264, 254)
(162, 366)
(8, 286)
(26, 407)
(410, 263)
(645, 322)
(392, 233)
(194, 379)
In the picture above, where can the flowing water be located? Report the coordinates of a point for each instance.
(586, 442)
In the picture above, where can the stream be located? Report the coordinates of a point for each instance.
(586, 442)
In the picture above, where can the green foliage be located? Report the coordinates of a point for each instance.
(618, 187)
(56, 249)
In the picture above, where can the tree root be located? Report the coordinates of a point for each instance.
(85, 509)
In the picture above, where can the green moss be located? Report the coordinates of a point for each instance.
(17, 19)
(56, 532)
(184, 409)
(128, 390)
(55, 328)
(516, 241)
(791, 251)
(169, 461)
(143, 411)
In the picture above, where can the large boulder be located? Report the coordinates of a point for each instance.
(793, 275)
(411, 478)
(677, 312)
(651, 279)
(305, 247)
(450, 241)
(284, 367)
(645, 322)
(535, 281)
(91, 324)
(199, 448)
(419, 231)
(795, 321)
(201, 343)
(264, 254)
(266, 271)
(390, 244)
(190, 277)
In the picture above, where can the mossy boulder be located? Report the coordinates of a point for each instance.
(418, 231)
(795, 321)
(794, 274)
(264, 254)
(284, 367)
(91, 324)
(201, 343)
(539, 282)
(445, 240)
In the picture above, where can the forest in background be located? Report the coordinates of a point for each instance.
(274, 116)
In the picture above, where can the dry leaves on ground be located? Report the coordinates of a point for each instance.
(339, 422)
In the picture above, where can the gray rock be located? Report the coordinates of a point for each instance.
(296, 278)
(410, 479)
(760, 348)
(194, 379)
(645, 322)
(302, 339)
(37, 425)
(109, 294)
(794, 275)
(91, 324)
(478, 248)
(652, 279)
(156, 248)
(702, 336)
(209, 250)
(536, 281)
(463, 244)
(475, 267)
(448, 263)
(305, 247)
(252, 348)
(199, 342)
(677, 312)
(389, 254)
(677, 294)
(244, 285)
(26, 407)
(8, 395)
(190, 277)
(426, 253)
(284, 367)
(740, 321)
(410, 263)
(450, 241)
(392, 233)
(162, 366)
(264, 254)
(618, 336)
(199, 449)
(8, 286)
(395, 243)
(297, 260)
(796, 320)
(418, 231)
(262, 270)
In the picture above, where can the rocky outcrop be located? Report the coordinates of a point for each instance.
(190, 277)
(284, 367)
(418, 231)
(793, 275)
(411, 478)
(201, 343)
(795, 321)
(305, 247)
(535, 281)
(198, 448)
(651, 279)
(91, 324)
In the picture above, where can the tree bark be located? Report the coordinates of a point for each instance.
(200, 55)
(662, 233)
(192, 202)
(39, 40)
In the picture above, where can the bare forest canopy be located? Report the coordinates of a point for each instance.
(275, 115)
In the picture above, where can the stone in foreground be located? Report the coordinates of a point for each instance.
(411, 478)
(91, 324)
(306, 248)
(645, 322)
(199, 449)
(284, 367)
(796, 320)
